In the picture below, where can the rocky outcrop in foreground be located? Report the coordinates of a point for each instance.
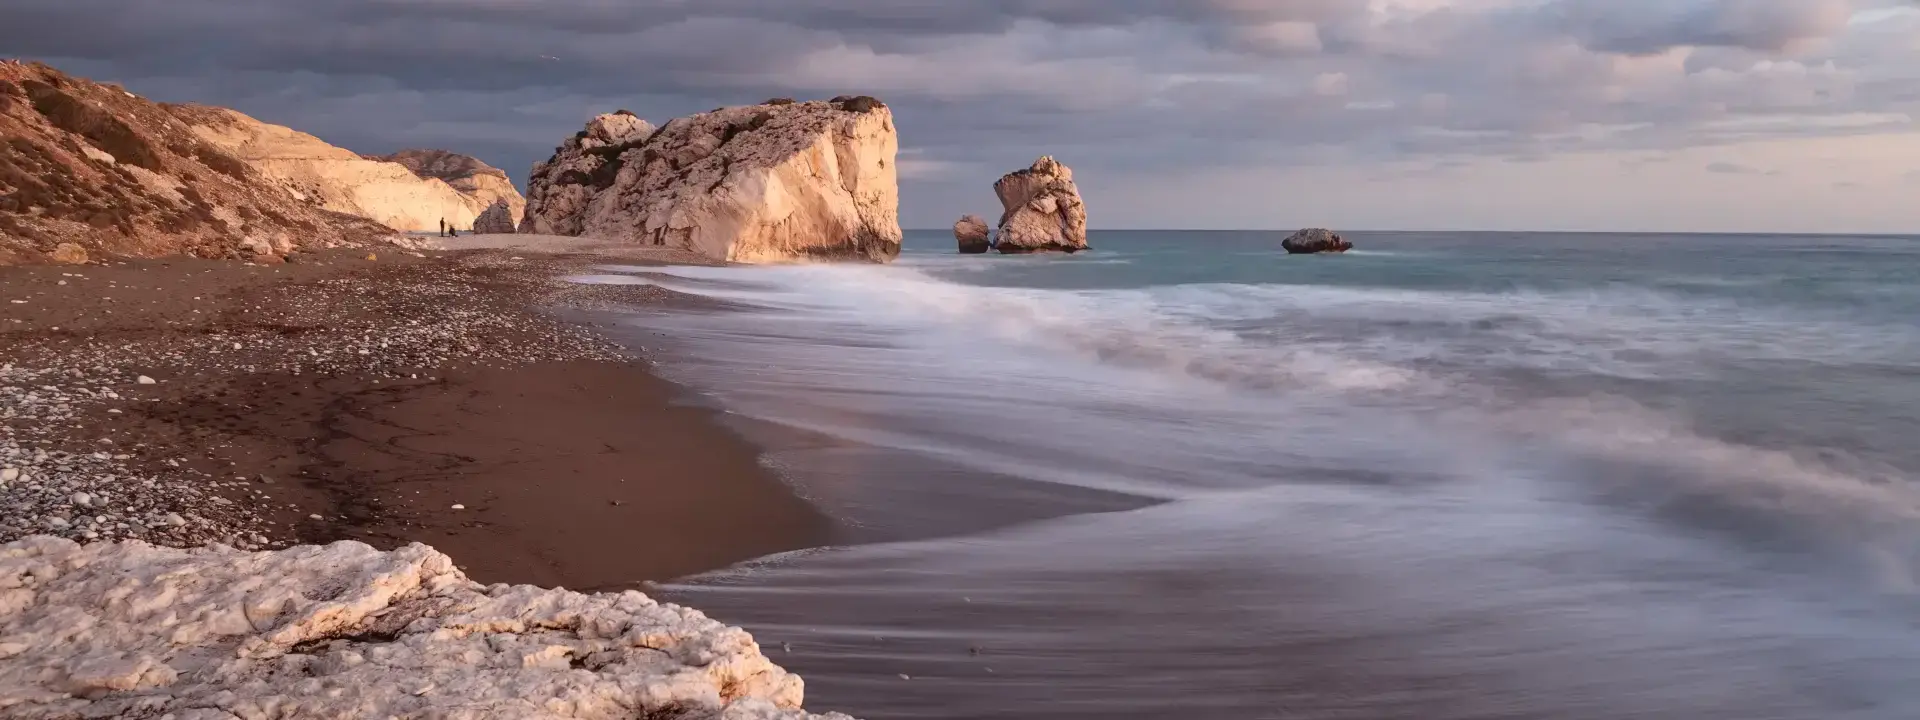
(1044, 212)
(345, 631)
(973, 234)
(89, 170)
(1315, 240)
(495, 220)
(333, 178)
(483, 184)
(781, 181)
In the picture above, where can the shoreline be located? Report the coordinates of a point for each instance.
(339, 397)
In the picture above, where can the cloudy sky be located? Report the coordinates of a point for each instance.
(1697, 115)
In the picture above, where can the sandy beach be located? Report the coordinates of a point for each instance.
(387, 396)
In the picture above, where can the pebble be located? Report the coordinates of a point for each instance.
(8, 475)
(315, 517)
(82, 499)
(144, 380)
(459, 507)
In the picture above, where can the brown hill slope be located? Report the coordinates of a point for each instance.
(90, 164)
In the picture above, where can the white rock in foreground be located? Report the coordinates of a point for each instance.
(345, 631)
(782, 181)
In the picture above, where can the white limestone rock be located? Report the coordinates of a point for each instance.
(333, 178)
(782, 181)
(345, 631)
(1043, 210)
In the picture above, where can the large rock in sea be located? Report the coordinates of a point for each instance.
(122, 630)
(1044, 212)
(481, 183)
(1315, 240)
(973, 234)
(778, 182)
(90, 170)
(335, 178)
(495, 220)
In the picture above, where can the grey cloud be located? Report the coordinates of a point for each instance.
(1728, 168)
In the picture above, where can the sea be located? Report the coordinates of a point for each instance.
(1443, 476)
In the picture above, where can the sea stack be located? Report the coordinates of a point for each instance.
(1315, 240)
(782, 181)
(496, 219)
(973, 234)
(1043, 210)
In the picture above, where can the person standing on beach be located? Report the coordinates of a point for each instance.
(443, 227)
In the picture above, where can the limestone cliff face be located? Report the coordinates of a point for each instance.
(1044, 212)
(483, 183)
(90, 170)
(111, 630)
(336, 178)
(782, 181)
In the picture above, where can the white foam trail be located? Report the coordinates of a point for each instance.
(1147, 391)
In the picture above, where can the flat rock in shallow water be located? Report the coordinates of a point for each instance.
(346, 631)
(1315, 240)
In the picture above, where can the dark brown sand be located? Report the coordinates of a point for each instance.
(572, 464)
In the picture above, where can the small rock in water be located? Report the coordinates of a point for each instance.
(315, 517)
(459, 507)
(144, 380)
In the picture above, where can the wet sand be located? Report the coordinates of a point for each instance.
(345, 398)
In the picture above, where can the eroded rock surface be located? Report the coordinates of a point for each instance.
(1315, 240)
(346, 631)
(109, 173)
(973, 235)
(777, 182)
(1043, 210)
(335, 178)
(482, 183)
(496, 219)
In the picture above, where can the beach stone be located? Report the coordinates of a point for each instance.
(1043, 210)
(752, 184)
(496, 219)
(8, 475)
(68, 253)
(1315, 240)
(973, 234)
(144, 380)
(344, 630)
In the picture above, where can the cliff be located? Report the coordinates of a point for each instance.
(483, 183)
(345, 631)
(88, 170)
(781, 181)
(334, 178)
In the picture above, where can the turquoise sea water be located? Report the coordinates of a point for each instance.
(1443, 476)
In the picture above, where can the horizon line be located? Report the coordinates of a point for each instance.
(1915, 234)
